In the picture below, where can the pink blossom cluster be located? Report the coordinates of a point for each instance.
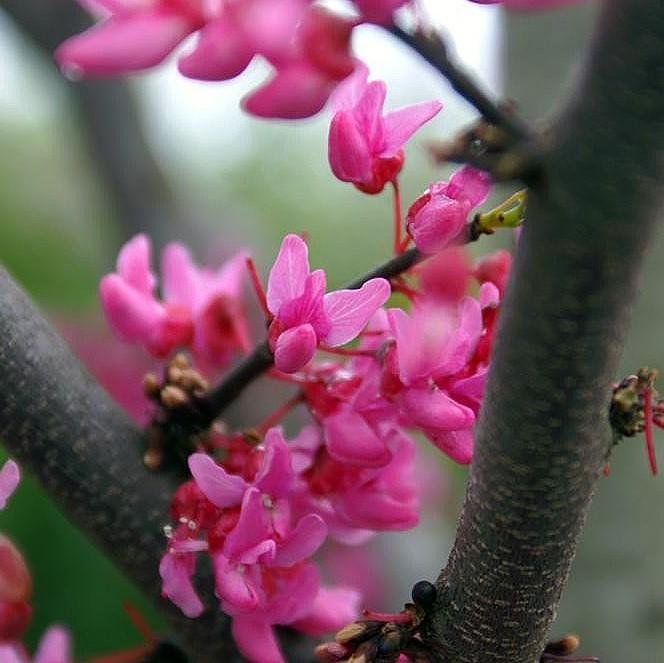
(261, 506)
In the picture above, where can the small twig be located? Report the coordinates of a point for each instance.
(434, 50)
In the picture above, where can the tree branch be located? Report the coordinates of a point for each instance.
(544, 433)
(433, 49)
(56, 419)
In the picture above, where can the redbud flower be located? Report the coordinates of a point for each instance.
(200, 308)
(304, 316)
(306, 75)
(15, 592)
(10, 475)
(437, 218)
(366, 147)
(135, 35)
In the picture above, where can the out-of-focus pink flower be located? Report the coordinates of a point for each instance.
(15, 592)
(135, 35)
(304, 316)
(201, 308)
(446, 275)
(227, 43)
(305, 76)
(54, 647)
(379, 11)
(437, 218)
(494, 268)
(365, 147)
(10, 476)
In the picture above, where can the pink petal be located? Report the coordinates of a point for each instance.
(434, 409)
(379, 11)
(176, 572)
(463, 340)
(289, 273)
(256, 640)
(9, 654)
(349, 92)
(250, 538)
(308, 307)
(297, 90)
(222, 489)
(10, 476)
(295, 348)
(401, 124)
(124, 44)
(302, 542)
(369, 115)
(458, 444)
(470, 390)
(332, 609)
(438, 223)
(133, 317)
(470, 184)
(231, 276)
(349, 439)
(133, 265)
(489, 295)
(180, 275)
(348, 151)
(222, 52)
(276, 475)
(350, 310)
(54, 647)
(233, 585)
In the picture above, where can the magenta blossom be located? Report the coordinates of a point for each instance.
(438, 217)
(201, 309)
(366, 147)
(54, 647)
(10, 476)
(135, 35)
(304, 316)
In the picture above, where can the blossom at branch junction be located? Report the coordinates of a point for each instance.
(438, 217)
(365, 146)
(200, 308)
(304, 317)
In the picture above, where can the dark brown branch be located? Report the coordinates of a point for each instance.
(544, 430)
(56, 420)
(434, 50)
(261, 359)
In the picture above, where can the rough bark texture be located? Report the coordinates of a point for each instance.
(58, 421)
(543, 435)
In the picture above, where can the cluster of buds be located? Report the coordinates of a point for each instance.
(635, 407)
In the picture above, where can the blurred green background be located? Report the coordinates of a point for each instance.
(197, 170)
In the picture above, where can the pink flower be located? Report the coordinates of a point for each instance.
(136, 35)
(229, 41)
(304, 316)
(379, 11)
(15, 592)
(366, 147)
(437, 218)
(305, 76)
(54, 647)
(10, 476)
(201, 308)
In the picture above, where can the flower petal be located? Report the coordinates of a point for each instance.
(295, 348)
(133, 265)
(333, 608)
(349, 310)
(233, 585)
(302, 542)
(434, 409)
(124, 44)
(458, 444)
(176, 572)
(181, 276)
(401, 124)
(54, 647)
(276, 475)
(250, 538)
(221, 488)
(289, 273)
(256, 640)
(10, 476)
(470, 184)
(349, 439)
(348, 151)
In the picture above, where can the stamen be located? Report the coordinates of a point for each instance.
(398, 218)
